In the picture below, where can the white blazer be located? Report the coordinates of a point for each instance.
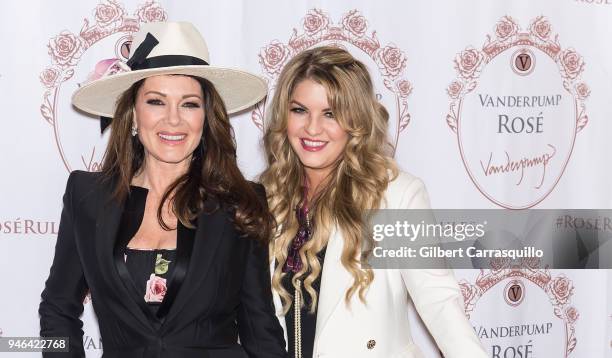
(380, 328)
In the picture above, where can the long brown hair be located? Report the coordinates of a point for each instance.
(213, 172)
(356, 184)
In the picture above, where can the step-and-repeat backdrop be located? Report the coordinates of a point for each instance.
(494, 104)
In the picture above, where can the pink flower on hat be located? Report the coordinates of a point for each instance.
(107, 67)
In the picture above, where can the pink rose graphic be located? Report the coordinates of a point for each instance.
(572, 314)
(582, 90)
(151, 12)
(540, 28)
(65, 49)
(391, 61)
(404, 88)
(499, 263)
(468, 291)
(108, 14)
(506, 28)
(454, 89)
(469, 63)
(274, 56)
(531, 262)
(315, 22)
(561, 288)
(156, 289)
(49, 77)
(105, 68)
(572, 64)
(355, 23)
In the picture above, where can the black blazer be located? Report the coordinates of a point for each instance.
(220, 287)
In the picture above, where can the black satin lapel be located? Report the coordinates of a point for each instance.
(184, 247)
(131, 220)
(107, 227)
(208, 235)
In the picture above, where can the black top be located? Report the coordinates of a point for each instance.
(151, 271)
(141, 264)
(221, 285)
(309, 320)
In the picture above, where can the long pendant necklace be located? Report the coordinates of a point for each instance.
(297, 312)
(304, 233)
(294, 264)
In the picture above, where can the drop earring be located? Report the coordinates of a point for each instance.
(134, 129)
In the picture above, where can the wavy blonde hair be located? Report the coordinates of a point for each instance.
(356, 183)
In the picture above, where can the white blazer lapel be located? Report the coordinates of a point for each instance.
(334, 283)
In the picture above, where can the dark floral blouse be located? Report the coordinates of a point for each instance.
(150, 271)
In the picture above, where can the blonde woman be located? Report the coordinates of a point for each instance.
(328, 162)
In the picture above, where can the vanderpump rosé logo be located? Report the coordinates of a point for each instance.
(514, 292)
(30, 227)
(100, 48)
(352, 33)
(92, 343)
(538, 318)
(516, 107)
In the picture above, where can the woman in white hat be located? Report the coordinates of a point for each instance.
(329, 162)
(169, 238)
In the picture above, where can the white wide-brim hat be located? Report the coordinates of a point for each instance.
(162, 48)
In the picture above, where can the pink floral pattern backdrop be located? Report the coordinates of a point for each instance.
(431, 63)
